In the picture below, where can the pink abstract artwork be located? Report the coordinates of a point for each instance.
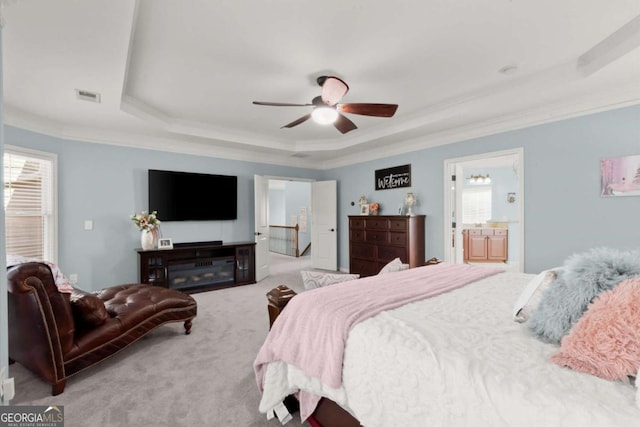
(620, 176)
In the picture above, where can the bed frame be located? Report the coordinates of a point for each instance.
(328, 413)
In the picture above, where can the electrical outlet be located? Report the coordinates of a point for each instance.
(73, 278)
(88, 224)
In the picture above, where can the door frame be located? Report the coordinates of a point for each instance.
(285, 178)
(451, 166)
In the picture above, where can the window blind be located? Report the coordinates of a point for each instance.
(476, 205)
(29, 195)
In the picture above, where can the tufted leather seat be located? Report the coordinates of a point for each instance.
(48, 337)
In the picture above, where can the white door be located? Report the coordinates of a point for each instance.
(324, 212)
(457, 186)
(261, 219)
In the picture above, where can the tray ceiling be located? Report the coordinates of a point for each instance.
(182, 75)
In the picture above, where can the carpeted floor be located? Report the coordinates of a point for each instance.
(171, 379)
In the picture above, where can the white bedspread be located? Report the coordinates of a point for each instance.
(459, 360)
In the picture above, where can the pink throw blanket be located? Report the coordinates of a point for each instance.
(61, 281)
(312, 332)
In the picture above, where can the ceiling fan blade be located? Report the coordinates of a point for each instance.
(377, 110)
(281, 104)
(298, 121)
(333, 90)
(344, 125)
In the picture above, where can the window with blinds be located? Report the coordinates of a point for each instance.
(476, 205)
(29, 202)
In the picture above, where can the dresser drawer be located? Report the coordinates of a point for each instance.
(363, 251)
(356, 223)
(376, 223)
(398, 224)
(376, 236)
(356, 235)
(399, 239)
(363, 267)
(388, 253)
(500, 232)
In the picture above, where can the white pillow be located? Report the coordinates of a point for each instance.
(392, 266)
(318, 279)
(530, 296)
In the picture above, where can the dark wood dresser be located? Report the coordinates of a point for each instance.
(376, 240)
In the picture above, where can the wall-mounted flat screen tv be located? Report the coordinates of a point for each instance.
(185, 196)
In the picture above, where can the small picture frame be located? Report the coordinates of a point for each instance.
(364, 209)
(165, 243)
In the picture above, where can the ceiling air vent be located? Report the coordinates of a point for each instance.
(300, 155)
(86, 95)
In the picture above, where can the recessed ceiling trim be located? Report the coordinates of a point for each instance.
(618, 44)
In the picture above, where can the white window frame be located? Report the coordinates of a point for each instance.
(51, 236)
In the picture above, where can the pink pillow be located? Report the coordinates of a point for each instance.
(605, 342)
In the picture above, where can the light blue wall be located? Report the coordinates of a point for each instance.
(298, 195)
(277, 213)
(563, 210)
(106, 184)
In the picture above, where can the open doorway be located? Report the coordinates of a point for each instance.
(484, 214)
(312, 205)
(290, 217)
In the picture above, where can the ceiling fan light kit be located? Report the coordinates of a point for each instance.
(324, 115)
(327, 110)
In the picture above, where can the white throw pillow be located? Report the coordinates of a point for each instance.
(318, 279)
(530, 296)
(392, 266)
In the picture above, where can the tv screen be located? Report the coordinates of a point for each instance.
(184, 196)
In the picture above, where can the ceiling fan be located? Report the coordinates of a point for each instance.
(327, 110)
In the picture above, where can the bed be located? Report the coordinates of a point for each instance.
(457, 358)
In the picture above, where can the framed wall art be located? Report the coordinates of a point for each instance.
(620, 176)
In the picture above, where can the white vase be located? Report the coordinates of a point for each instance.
(148, 240)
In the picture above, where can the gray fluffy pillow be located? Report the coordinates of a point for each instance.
(584, 276)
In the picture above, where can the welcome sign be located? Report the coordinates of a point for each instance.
(396, 177)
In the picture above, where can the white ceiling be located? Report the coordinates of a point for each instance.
(182, 75)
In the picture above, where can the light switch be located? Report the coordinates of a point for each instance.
(88, 224)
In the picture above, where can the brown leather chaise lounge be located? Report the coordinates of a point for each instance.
(56, 335)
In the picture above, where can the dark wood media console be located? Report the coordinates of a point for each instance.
(197, 267)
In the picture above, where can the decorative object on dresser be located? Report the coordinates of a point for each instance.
(410, 201)
(375, 241)
(374, 208)
(485, 244)
(199, 266)
(165, 243)
(149, 225)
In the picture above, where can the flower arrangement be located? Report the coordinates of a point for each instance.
(146, 221)
(373, 208)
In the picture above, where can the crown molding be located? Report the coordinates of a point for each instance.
(185, 145)
(516, 121)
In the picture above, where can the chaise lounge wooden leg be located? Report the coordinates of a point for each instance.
(187, 327)
(58, 387)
